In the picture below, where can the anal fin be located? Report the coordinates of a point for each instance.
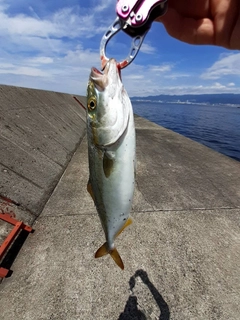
(126, 224)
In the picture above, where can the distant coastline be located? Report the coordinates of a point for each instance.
(225, 99)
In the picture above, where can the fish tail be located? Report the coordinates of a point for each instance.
(103, 250)
(116, 257)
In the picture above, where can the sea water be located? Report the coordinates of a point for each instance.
(216, 126)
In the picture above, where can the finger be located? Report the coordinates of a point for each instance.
(193, 31)
(227, 23)
(191, 8)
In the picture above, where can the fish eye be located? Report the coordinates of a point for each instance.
(92, 104)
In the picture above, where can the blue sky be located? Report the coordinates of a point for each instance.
(52, 45)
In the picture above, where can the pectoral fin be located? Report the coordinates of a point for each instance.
(107, 165)
(90, 191)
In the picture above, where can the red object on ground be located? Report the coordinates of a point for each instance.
(18, 225)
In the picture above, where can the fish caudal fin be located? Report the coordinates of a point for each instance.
(103, 250)
(116, 257)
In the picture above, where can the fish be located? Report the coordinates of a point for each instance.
(111, 153)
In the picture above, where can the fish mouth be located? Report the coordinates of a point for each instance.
(100, 79)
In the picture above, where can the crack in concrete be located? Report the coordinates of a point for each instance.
(142, 211)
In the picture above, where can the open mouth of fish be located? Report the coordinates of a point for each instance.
(99, 78)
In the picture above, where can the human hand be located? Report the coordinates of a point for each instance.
(212, 22)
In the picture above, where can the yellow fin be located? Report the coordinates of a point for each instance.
(102, 251)
(116, 257)
(126, 224)
(90, 191)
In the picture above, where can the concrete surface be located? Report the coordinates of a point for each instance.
(181, 254)
(39, 131)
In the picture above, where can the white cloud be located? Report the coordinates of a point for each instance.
(134, 77)
(102, 5)
(55, 51)
(226, 65)
(139, 80)
(67, 74)
(184, 89)
(218, 85)
(63, 23)
(48, 53)
(174, 75)
(27, 71)
(40, 60)
(147, 48)
(161, 68)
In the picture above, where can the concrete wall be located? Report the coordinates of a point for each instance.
(39, 132)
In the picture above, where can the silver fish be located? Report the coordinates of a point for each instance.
(111, 153)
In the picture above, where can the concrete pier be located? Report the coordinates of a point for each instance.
(39, 131)
(181, 254)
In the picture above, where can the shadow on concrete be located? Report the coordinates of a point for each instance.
(13, 251)
(131, 311)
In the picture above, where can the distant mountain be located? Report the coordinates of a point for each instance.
(224, 98)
